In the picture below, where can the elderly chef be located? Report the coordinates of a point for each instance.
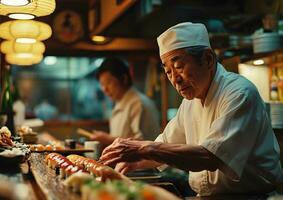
(221, 133)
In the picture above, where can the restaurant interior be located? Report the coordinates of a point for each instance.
(54, 77)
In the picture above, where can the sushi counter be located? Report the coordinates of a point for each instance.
(54, 171)
(44, 176)
(45, 172)
(54, 176)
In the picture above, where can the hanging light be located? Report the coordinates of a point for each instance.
(20, 16)
(11, 46)
(26, 40)
(15, 2)
(26, 9)
(25, 31)
(100, 39)
(23, 58)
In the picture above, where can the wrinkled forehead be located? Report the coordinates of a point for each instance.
(171, 55)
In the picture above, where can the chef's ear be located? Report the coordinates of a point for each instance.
(125, 80)
(208, 58)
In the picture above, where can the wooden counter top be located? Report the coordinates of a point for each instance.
(44, 184)
(47, 180)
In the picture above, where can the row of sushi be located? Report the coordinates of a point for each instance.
(91, 189)
(96, 181)
(48, 147)
(71, 164)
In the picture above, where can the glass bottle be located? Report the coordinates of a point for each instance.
(7, 101)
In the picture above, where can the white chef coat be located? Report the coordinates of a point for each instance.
(233, 125)
(135, 115)
(20, 110)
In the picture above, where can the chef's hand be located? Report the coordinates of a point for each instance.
(125, 167)
(104, 138)
(124, 150)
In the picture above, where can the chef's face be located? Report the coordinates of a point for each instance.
(111, 86)
(190, 77)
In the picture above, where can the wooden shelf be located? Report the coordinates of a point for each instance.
(263, 55)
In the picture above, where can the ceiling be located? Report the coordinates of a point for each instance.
(146, 19)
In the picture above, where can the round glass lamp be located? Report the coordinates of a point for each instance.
(26, 9)
(23, 58)
(11, 46)
(25, 31)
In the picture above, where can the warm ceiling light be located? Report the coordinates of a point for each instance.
(14, 2)
(23, 58)
(29, 29)
(258, 62)
(10, 47)
(36, 8)
(26, 40)
(20, 16)
(98, 38)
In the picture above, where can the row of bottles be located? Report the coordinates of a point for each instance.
(276, 84)
(7, 101)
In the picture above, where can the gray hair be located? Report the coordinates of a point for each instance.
(197, 52)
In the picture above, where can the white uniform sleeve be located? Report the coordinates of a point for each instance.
(174, 130)
(135, 120)
(233, 134)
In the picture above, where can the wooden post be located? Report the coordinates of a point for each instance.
(164, 100)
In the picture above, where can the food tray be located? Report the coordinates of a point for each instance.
(66, 151)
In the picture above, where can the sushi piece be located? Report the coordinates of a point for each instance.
(5, 137)
(49, 159)
(72, 169)
(63, 167)
(39, 148)
(107, 173)
(100, 171)
(75, 181)
(113, 190)
(48, 147)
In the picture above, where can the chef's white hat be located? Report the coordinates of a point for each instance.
(183, 35)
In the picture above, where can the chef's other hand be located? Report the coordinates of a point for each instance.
(125, 167)
(104, 138)
(124, 150)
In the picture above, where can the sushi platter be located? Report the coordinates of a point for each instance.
(61, 172)
(81, 178)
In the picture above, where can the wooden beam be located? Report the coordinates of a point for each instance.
(164, 100)
(116, 44)
(109, 11)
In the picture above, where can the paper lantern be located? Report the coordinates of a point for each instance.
(25, 29)
(23, 58)
(11, 46)
(31, 9)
